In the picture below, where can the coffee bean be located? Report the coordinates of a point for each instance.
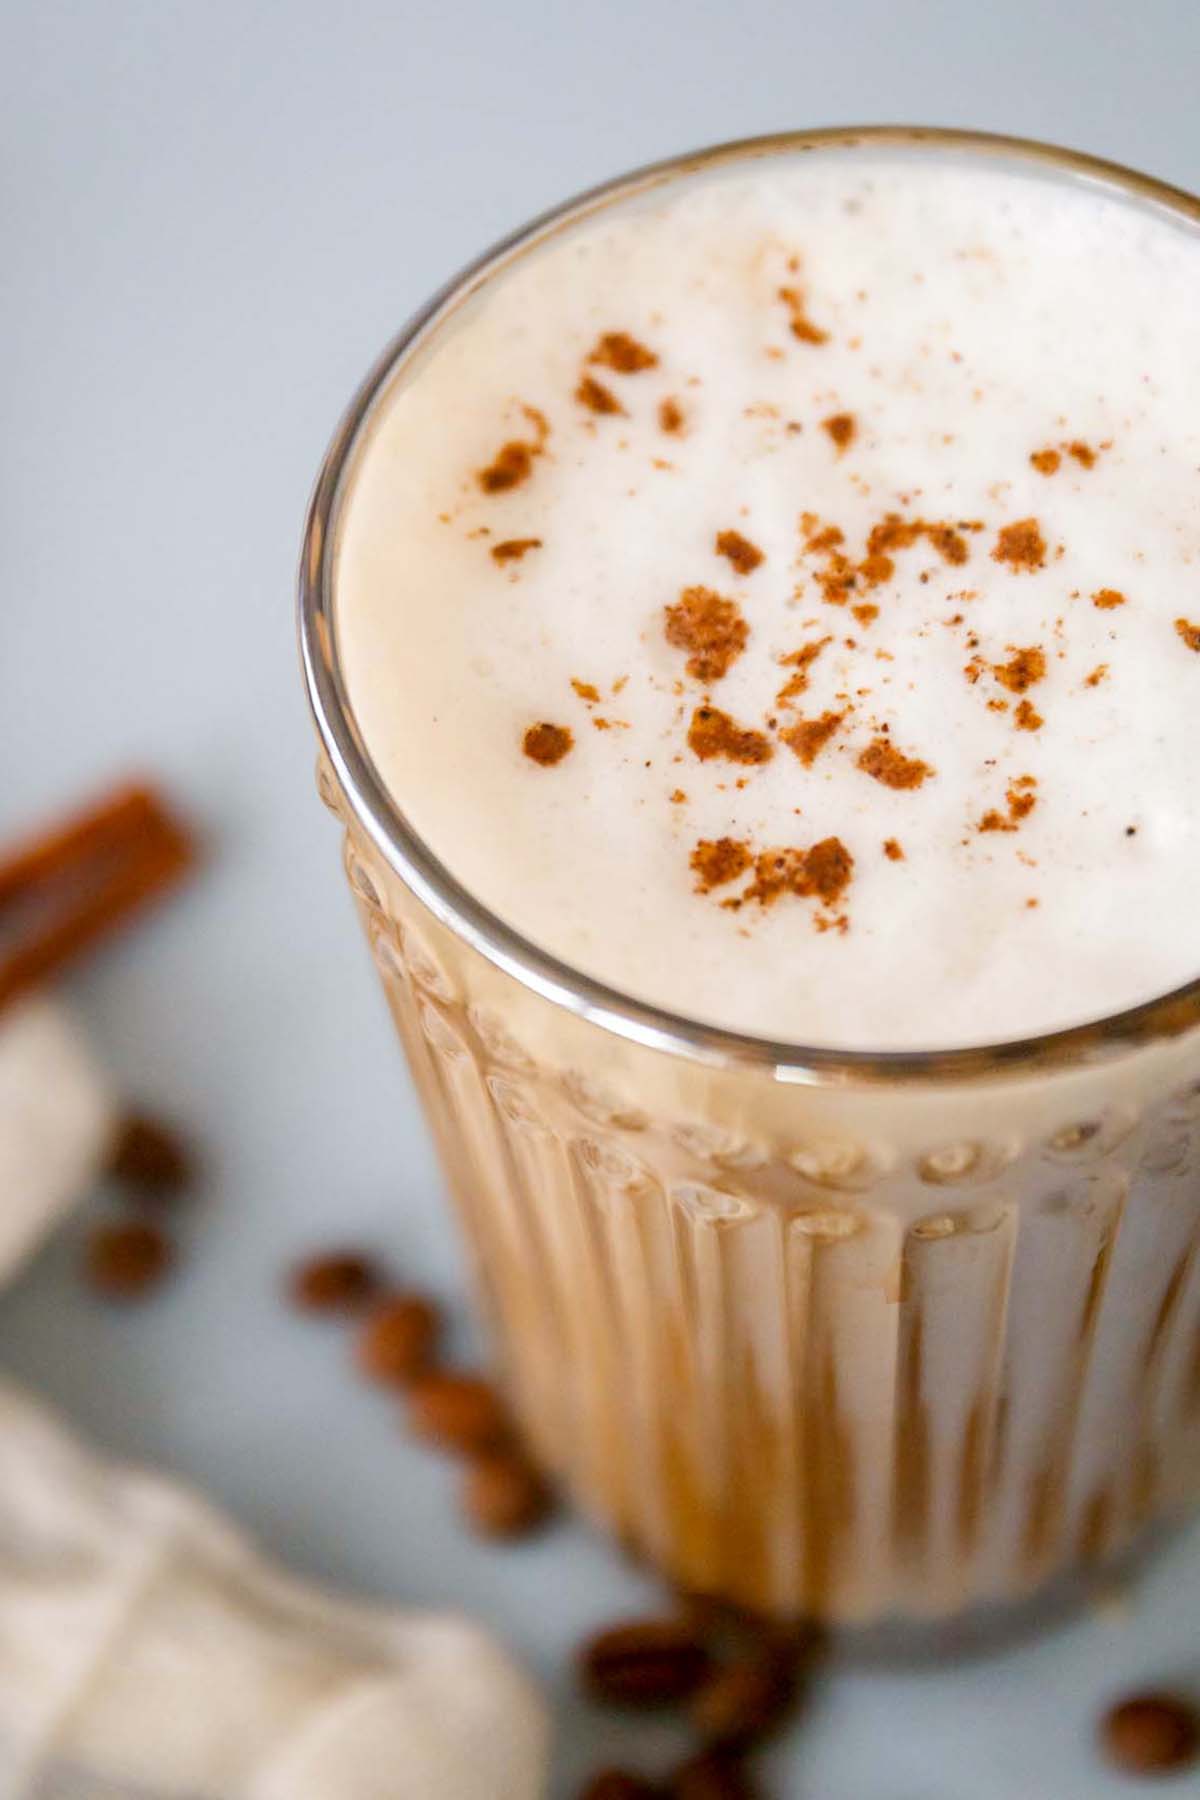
(713, 1775)
(618, 1784)
(456, 1412)
(647, 1662)
(148, 1156)
(123, 1262)
(398, 1339)
(503, 1495)
(1151, 1734)
(339, 1281)
(746, 1699)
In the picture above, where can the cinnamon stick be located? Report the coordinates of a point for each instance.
(73, 884)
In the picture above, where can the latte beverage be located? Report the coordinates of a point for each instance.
(754, 625)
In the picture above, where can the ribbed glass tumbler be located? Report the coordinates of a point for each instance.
(847, 1335)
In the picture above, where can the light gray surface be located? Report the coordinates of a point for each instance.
(214, 215)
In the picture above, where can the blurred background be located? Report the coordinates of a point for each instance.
(213, 218)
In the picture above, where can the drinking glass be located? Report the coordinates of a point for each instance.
(841, 1334)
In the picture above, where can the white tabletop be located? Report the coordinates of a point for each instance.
(214, 216)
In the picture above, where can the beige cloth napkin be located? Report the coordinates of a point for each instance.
(147, 1650)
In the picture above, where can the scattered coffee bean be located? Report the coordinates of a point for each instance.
(456, 1412)
(1151, 1734)
(618, 1784)
(148, 1156)
(340, 1281)
(503, 1495)
(713, 1775)
(123, 1262)
(746, 1699)
(648, 1662)
(398, 1339)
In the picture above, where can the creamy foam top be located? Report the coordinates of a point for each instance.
(779, 596)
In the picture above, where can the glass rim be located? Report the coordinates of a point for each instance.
(1165, 1015)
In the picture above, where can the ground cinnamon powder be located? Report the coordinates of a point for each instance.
(1189, 633)
(744, 555)
(875, 569)
(842, 429)
(950, 544)
(513, 549)
(820, 538)
(596, 397)
(512, 464)
(884, 763)
(1027, 717)
(1021, 545)
(801, 661)
(1048, 461)
(710, 627)
(1021, 803)
(894, 532)
(715, 733)
(802, 326)
(715, 861)
(837, 580)
(822, 873)
(547, 744)
(1107, 598)
(670, 417)
(623, 354)
(1022, 670)
(891, 534)
(808, 737)
(828, 867)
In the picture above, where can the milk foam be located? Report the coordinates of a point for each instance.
(965, 319)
